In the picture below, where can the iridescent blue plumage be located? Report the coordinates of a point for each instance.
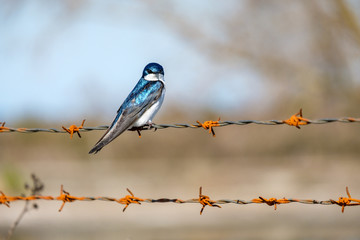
(139, 107)
(140, 93)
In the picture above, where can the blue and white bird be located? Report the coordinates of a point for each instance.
(139, 108)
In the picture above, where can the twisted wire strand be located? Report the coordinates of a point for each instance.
(184, 125)
(204, 200)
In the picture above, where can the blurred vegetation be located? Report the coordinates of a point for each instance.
(306, 53)
(11, 177)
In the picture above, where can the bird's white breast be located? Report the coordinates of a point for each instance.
(150, 113)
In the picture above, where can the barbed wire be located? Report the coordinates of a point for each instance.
(204, 200)
(296, 120)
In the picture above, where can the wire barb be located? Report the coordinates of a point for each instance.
(66, 197)
(296, 120)
(4, 200)
(206, 201)
(128, 199)
(209, 125)
(271, 201)
(73, 128)
(346, 201)
(3, 128)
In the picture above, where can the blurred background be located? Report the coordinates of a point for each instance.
(63, 61)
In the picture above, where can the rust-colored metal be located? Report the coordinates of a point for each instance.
(297, 120)
(74, 129)
(208, 125)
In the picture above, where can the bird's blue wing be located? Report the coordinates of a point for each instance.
(141, 98)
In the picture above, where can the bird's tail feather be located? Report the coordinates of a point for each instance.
(96, 148)
(103, 141)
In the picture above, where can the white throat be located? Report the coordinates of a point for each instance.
(155, 77)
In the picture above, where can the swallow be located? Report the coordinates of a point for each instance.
(139, 108)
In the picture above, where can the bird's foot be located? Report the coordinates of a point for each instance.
(137, 129)
(149, 125)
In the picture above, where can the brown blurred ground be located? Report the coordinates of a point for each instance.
(242, 162)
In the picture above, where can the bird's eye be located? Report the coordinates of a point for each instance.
(149, 71)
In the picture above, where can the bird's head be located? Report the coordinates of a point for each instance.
(153, 72)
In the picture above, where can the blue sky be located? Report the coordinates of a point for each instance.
(55, 65)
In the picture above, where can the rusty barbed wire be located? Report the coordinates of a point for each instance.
(295, 120)
(204, 200)
(74, 129)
